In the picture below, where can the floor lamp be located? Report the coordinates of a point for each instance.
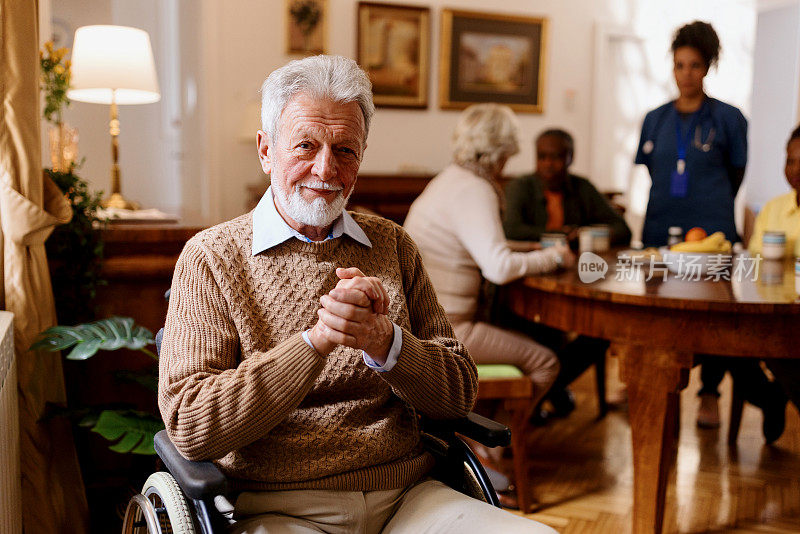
(113, 65)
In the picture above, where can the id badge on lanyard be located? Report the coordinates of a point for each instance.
(679, 179)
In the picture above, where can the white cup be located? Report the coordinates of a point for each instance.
(586, 239)
(773, 245)
(551, 239)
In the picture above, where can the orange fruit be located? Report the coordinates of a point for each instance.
(696, 234)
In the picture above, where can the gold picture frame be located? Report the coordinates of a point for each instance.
(306, 26)
(488, 57)
(394, 49)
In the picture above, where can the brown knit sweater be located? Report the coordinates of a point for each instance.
(238, 385)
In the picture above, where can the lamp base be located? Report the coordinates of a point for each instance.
(117, 201)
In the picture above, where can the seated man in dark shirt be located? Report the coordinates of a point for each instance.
(553, 200)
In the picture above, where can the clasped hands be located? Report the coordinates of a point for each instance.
(354, 314)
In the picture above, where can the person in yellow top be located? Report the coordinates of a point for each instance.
(782, 213)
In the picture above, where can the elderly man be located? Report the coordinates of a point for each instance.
(554, 200)
(302, 340)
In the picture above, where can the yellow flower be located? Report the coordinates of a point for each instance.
(59, 69)
(49, 46)
(68, 63)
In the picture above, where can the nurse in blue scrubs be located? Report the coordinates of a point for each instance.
(695, 147)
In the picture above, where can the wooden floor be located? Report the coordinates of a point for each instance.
(582, 471)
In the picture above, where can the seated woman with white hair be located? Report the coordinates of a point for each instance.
(457, 225)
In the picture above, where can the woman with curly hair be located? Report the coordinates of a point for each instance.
(695, 148)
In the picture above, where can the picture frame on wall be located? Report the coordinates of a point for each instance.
(394, 49)
(306, 22)
(489, 57)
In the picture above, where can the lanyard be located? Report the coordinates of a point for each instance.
(682, 141)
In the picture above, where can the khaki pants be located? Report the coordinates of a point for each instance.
(490, 344)
(428, 506)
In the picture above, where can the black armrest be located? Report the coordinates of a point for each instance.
(198, 480)
(474, 426)
(159, 338)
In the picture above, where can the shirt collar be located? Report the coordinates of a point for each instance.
(269, 228)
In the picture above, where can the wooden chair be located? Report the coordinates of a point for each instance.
(506, 383)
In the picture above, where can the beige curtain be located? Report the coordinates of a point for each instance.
(53, 498)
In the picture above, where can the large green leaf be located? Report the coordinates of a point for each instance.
(134, 430)
(107, 334)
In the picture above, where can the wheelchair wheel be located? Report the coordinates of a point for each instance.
(471, 484)
(160, 508)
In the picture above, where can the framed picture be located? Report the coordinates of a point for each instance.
(393, 48)
(492, 58)
(305, 26)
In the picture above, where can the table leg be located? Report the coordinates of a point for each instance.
(520, 410)
(654, 378)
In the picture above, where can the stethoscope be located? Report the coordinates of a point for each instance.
(697, 141)
(706, 146)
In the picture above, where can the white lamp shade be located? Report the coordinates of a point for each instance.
(113, 58)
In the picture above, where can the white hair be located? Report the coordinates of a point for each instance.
(486, 134)
(333, 77)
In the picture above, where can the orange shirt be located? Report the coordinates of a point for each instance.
(555, 210)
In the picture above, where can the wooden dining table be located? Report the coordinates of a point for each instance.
(656, 322)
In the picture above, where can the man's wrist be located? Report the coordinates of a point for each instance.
(380, 352)
(394, 352)
(317, 342)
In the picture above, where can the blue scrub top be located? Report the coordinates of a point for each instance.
(709, 202)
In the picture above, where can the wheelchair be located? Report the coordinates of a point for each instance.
(191, 497)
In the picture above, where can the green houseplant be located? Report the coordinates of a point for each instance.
(75, 249)
(75, 253)
(132, 431)
(55, 75)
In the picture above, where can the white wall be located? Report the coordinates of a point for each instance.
(147, 134)
(399, 138)
(91, 120)
(633, 74)
(228, 48)
(775, 100)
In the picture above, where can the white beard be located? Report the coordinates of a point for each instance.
(317, 213)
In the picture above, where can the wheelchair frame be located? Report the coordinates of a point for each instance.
(189, 488)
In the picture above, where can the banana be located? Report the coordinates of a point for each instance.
(715, 244)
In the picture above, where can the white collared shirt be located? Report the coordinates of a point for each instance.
(270, 230)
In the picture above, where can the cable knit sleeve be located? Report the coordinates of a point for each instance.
(478, 226)
(211, 402)
(434, 372)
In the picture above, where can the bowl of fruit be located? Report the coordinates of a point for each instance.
(699, 254)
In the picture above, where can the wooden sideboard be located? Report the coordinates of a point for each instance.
(138, 265)
(137, 270)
